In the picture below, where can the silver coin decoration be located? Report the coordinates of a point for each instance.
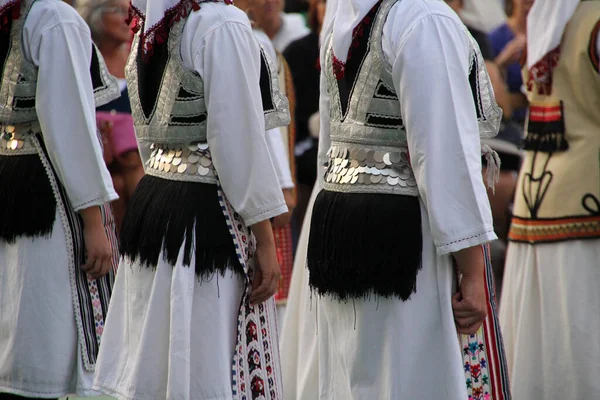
(368, 167)
(193, 159)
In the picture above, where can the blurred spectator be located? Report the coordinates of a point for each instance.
(508, 44)
(302, 56)
(281, 28)
(110, 32)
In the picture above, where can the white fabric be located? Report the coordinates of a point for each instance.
(348, 15)
(154, 10)
(277, 148)
(55, 37)
(483, 15)
(279, 156)
(215, 36)
(440, 119)
(299, 339)
(39, 352)
(382, 348)
(293, 27)
(169, 336)
(550, 319)
(546, 24)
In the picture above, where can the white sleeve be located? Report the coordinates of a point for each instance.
(279, 156)
(235, 124)
(66, 111)
(430, 71)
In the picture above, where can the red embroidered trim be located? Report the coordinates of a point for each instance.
(159, 33)
(540, 74)
(9, 12)
(339, 67)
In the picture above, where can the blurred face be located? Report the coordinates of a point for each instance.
(266, 12)
(114, 26)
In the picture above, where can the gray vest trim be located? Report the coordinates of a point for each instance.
(159, 127)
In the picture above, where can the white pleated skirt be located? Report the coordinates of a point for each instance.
(382, 349)
(550, 318)
(40, 355)
(169, 335)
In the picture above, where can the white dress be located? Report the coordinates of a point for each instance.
(550, 296)
(385, 348)
(40, 355)
(168, 334)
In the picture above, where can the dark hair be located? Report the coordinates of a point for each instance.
(509, 7)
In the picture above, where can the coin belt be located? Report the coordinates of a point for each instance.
(15, 140)
(181, 162)
(357, 169)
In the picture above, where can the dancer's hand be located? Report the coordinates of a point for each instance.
(99, 252)
(470, 303)
(290, 201)
(267, 272)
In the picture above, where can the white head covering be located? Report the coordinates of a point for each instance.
(155, 17)
(348, 14)
(546, 24)
(330, 9)
(483, 15)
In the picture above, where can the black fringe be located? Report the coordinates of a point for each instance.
(161, 216)
(27, 203)
(365, 244)
(545, 142)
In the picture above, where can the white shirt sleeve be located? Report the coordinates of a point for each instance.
(229, 64)
(279, 156)
(66, 110)
(430, 65)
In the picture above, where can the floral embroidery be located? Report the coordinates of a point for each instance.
(255, 367)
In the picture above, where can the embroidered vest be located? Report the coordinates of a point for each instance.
(167, 99)
(558, 191)
(169, 110)
(369, 149)
(19, 77)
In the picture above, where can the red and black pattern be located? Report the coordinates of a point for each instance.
(358, 44)
(540, 74)
(10, 11)
(546, 128)
(346, 73)
(159, 33)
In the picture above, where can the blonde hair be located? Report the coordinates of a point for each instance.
(91, 11)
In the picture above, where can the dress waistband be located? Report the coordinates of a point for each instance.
(181, 162)
(369, 170)
(15, 140)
